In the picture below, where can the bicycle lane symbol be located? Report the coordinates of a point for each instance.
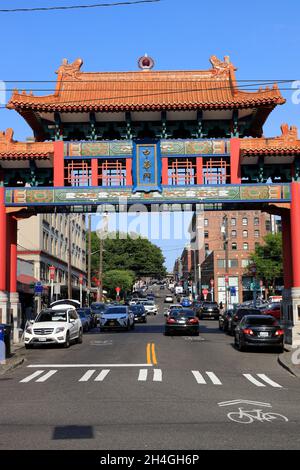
(249, 416)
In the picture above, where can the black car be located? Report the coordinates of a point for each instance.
(182, 321)
(139, 312)
(97, 308)
(238, 315)
(224, 319)
(209, 309)
(258, 330)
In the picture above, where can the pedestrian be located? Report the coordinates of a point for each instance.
(221, 307)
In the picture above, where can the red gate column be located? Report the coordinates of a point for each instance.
(199, 170)
(15, 308)
(295, 243)
(128, 171)
(164, 171)
(94, 167)
(3, 259)
(235, 165)
(58, 164)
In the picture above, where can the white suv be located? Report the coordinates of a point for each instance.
(117, 317)
(54, 326)
(150, 307)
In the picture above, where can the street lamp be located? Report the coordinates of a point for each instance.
(224, 231)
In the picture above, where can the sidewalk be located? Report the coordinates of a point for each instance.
(17, 357)
(290, 360)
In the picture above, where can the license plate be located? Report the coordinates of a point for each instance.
(42, 340)
(181, 322)
(111, 323)
(263, 334)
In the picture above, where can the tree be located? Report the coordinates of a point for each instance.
(128, 252)
(267, 259)
(118, 278)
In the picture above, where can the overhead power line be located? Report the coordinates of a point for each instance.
(77, 7)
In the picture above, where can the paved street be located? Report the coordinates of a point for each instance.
(142, 390)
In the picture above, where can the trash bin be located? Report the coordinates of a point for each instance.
(5, 331)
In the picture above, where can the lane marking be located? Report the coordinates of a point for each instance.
(148, 353)
(102, 375)
(154, 360)
(46, 376)
(215, 380)
(87, 376)
(199, 377)
(253, 380)
(157, 375)
(143, 374)
(32, 376)
(87, 365)
(269, 381)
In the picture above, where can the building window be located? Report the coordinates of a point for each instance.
(233, 222)
(206, 234)
(245, 221)
(205, 222)
(245, 263)
(256, 220)
(221, 263)
(245, 233)
(233, 263)
(256, 233)
(268, 225)
(233, 246)
(245, 246)
(233, 233)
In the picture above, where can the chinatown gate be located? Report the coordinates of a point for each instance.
(163, 139)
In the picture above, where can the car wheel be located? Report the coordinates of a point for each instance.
(133, 326)
(197, 333)
(79, 339)
(128, 326)
(281, 349)
(66, 344)
(241, 347)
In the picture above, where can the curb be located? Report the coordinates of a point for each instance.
(14, 362)
(286, 367)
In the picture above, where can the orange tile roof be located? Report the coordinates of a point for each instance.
(146, 90)
(10, 149)
(287, 143)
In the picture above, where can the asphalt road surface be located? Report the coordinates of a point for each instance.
(143, 390)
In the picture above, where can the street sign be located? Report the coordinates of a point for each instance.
(52, 272)
(81, 279)
(118, 290)
(232, 290)
(38, 288)
(57, 289)
(205, 292)
(226, 278)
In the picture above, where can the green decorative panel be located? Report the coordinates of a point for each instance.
(185, 194)
(96, 149)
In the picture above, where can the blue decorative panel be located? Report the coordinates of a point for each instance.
(146, 166)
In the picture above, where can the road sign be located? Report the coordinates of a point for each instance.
(38, 288)
(57, 289)
(52, 272)
(81, 279)
(232, 290)
(118, 290)
(204, 292)
(226, 278)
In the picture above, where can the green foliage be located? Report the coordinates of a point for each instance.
(268, 259)
(135, 254)
(118, 278)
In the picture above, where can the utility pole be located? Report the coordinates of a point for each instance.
(89, 257)
(69, 259)
(100, 272)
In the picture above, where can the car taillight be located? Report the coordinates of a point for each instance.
(235, 317)
(248, 331)
(193, 321)
(279, 333)
(170, 320)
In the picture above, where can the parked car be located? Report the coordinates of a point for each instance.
(54, 326)
(210, 310)
(186, 302)
(258, 330)
(139, 313)
(224, 319)
(85, 319)
(97, 308)
(238, 315)
(182, 321)
(168, 299)
(117, 317)
(273, 309)
(173, 307)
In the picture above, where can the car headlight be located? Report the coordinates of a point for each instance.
(29, 330)
(59, 329)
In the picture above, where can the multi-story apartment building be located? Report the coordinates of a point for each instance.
(245, 229)
(43, 239)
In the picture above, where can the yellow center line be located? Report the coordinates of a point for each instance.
(148, 352)
(154, 355)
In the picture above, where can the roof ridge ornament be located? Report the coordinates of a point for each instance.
(70, 69)
(289, 134)
(146, 63)
(7, 136)
(221, 65)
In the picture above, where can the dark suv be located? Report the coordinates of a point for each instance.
(208, 309)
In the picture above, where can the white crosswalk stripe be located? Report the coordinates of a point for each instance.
(253, 380)
(202, 381)
(143, 374)
(269, 381)
(157, 375)
(100, 377)
(46, 376)
(32, 376)
(87, 376)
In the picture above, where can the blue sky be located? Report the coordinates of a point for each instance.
(261, 37)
